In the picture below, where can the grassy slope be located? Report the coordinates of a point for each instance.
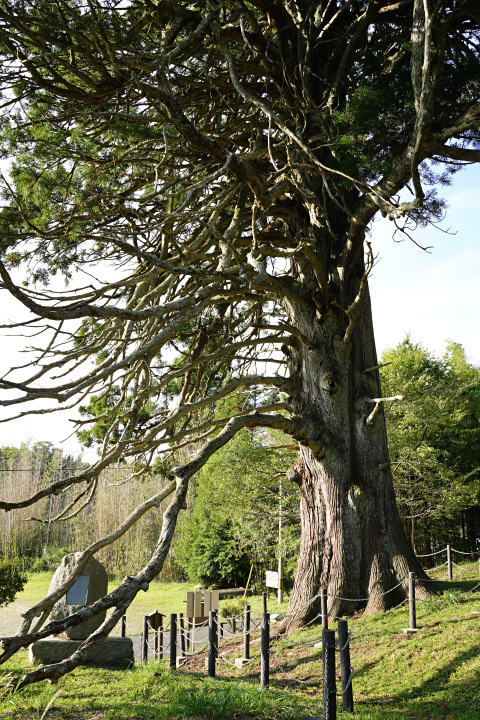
(431, 675)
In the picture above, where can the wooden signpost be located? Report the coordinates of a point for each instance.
(198, 609)
(155, 620)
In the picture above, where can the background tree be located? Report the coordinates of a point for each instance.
(434, 441)
(244, 512)
(12, 579)
(226, 161)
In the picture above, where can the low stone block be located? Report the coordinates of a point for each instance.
(113, 650)
(241, 662)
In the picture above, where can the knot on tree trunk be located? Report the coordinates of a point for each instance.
(294, 474)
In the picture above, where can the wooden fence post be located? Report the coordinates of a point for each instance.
(246, 633)
(323, 601)
(265, 651)
(181, 624)
(173, 641)
(212, 626)
(145, 639)
(329, 688)
(449, 562)
(345, 666)
(412, 612)
(160, 641)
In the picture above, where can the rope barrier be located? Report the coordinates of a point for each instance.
(437, 567)
(432, 554)
(462, 570)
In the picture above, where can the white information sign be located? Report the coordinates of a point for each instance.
(272, 579)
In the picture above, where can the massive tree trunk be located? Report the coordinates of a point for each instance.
(352, 540)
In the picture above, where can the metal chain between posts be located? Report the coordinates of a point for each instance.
(347, 642)
(347, 687)
(229, 635)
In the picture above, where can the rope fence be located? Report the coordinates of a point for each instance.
(182, 638)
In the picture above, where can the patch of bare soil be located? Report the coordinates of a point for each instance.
(10, 617)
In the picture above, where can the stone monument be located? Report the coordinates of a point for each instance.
(90, 586)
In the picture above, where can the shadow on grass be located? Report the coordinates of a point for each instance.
(462, 703)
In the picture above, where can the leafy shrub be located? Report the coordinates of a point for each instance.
(12, 579)
(50, 560)
(231, 608)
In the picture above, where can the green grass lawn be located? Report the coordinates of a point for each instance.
(433, 674)
(167, 598)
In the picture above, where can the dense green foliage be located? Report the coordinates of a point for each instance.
(237, 502)
(12, 579)
(434, 440)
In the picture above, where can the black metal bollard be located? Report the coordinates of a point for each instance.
(264, 602)
(412, 613)
(123, 626)
(234, 625)
(212, 642)
(345, 666)
(265, 652)
(145, 639)
(449, 562)
(173, 641)
(323, 602)
(181, 624)
(329, 689)
(220, 628)
(246, 633)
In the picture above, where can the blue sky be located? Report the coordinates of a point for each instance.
(433, 296)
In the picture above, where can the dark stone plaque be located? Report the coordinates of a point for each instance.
(77, 595)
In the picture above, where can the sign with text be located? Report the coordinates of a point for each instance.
(272, 579)
(77, 595)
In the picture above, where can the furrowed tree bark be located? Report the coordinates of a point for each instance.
(352, 539)
(201, 148)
